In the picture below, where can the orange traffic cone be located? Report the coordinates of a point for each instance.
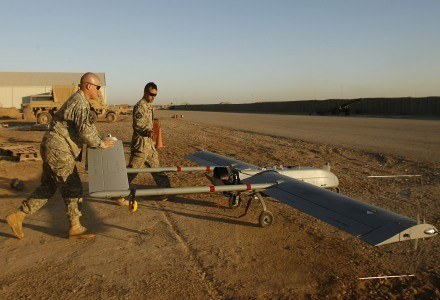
(157, 134)
(159, 143)
(155, 129)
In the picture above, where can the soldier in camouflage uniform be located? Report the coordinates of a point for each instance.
(143, 153)
(71, 127)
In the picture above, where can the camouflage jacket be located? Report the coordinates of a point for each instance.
(71, 126)
(142, 124)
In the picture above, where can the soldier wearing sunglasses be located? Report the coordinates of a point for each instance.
(143, 153)
(71, 127)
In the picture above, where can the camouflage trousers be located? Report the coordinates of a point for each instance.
(59, 171)
(149, 158)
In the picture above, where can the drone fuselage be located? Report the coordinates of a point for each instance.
(316, 176)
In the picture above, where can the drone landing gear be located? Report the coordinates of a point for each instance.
(266, 217)
(234, 201)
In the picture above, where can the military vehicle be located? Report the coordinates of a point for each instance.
(125, 109)
(102, 111)
(41, 107)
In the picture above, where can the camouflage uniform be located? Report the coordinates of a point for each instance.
(70, 128)
(143, 152)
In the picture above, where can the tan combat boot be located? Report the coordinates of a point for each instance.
(15, 221)
(78, 231)
(167, 197)
(163, 198)
(122, 202)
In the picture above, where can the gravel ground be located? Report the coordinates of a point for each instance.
(195, 247)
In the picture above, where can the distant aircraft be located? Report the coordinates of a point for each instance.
(305, 189)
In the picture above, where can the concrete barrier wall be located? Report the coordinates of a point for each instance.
(427, 106)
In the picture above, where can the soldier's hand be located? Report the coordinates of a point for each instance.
(107, 144)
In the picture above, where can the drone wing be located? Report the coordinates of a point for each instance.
(206, 158)
(373, 225)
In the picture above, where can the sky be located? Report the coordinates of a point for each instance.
(237, 51)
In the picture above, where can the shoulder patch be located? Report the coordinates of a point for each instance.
(138, 115)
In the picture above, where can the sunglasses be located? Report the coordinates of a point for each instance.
(153, 95)
(97, 86)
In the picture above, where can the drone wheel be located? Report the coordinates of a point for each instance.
(335, 189)
(133, 206)
(266, 219)
(234, 201)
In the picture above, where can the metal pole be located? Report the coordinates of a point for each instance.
(184, 190)
(169, 169)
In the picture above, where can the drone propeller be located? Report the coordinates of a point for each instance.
(416, 241)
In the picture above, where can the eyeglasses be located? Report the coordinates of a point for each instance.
(97, 86)
(153, 95)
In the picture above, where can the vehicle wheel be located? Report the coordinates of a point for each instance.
(266, 218)
(234, 201)
(93, 117)
(111, 117)
(44, 118)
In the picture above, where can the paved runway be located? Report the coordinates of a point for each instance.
(414, 139)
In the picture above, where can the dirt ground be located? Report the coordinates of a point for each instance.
(411, 137)
(195, 247)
